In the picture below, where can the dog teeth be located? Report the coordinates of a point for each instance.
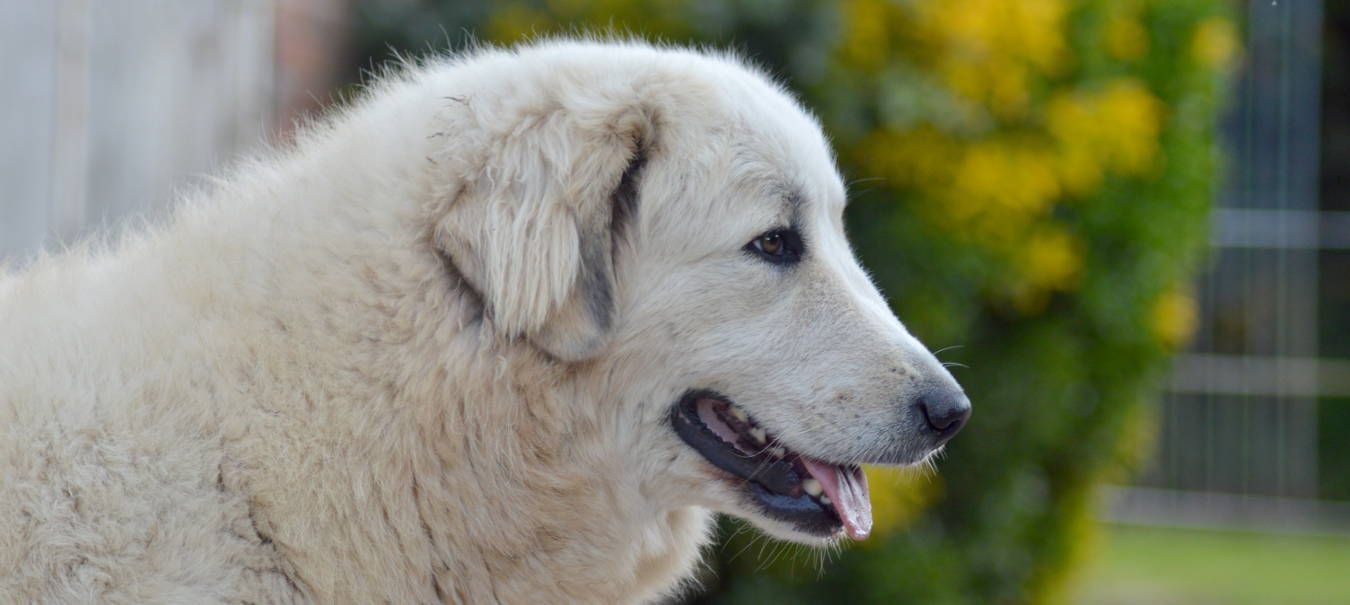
(758, 434)
(824, 499)
(812, 487)
(739, 414)
(777, 452)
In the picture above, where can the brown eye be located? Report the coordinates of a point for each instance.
(771, 244)
(780, 246)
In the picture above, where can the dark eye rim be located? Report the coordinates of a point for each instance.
(789, 252)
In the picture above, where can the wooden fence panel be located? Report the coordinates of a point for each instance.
(118, 105)
(26, 118)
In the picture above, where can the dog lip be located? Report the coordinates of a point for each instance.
(773, 484)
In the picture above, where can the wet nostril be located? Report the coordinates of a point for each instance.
(946, 411)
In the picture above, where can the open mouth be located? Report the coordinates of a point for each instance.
(814, 496)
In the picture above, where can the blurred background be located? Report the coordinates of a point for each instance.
(1127, 220)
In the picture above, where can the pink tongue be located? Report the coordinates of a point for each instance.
(848, 493)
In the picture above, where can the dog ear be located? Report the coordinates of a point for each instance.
(535, 232)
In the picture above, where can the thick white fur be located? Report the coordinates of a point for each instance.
(377, 366)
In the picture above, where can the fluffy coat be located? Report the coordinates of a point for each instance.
(425, 354)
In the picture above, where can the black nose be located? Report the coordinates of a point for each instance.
(945, 409)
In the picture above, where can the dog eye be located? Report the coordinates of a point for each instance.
(781, 246)
(771, 244)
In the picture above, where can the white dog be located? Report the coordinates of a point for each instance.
(508, 330)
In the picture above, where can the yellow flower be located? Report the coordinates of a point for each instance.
(1007, 182)
(1115, 129)
(1174, 317)
(1125, 38)
(987, 50)
(1027, 30)
(1080, 170)
(1051, 258)
(1215, 43)
(1134, 118)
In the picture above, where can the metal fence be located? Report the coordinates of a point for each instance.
(1238, 439)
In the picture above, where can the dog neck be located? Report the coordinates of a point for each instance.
(525, 492)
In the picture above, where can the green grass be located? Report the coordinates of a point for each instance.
(1160, 566)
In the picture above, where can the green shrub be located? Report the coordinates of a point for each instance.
(1031, 181)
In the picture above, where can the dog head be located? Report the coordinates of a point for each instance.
(672, 223)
